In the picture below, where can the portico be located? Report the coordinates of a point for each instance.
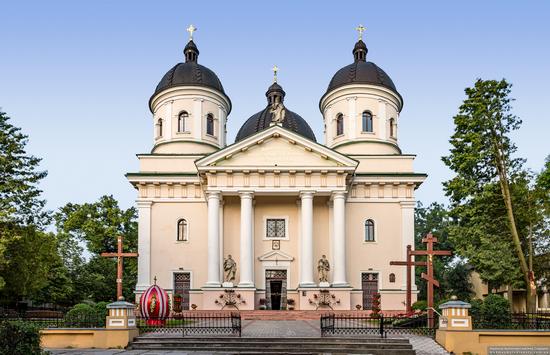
(326, 178)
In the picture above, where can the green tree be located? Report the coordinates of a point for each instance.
(482, 158)
(31, 256)
(96, 226)
(435, 219)
(20, 202)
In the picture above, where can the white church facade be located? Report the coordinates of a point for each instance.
(276, 200)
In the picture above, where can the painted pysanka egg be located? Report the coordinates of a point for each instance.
(154, 303)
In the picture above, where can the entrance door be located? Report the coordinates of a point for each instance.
(369, 281)
(182, 284)
(275, 289)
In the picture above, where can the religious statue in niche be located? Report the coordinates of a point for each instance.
(278, 112)
(230, 268)
(323, 267)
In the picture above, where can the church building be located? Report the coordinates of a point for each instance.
(280, 218)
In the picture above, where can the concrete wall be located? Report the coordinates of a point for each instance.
(478, 342)
(86, 338)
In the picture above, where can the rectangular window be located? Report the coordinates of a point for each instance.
(275, 228)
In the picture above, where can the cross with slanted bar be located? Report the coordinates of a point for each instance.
(360, 29)
(430, 240)
(409, 264)
(191, 29)
(119, 255)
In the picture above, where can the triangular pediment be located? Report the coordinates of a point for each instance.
(277, 147)
(275, 255)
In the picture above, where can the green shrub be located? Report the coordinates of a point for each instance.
(19, 338)
(475, 311)
(81, 316)
(495, 312)
(419, 305)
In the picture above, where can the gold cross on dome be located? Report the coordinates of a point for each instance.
(360, 29)
(191, 29)
(275, 70)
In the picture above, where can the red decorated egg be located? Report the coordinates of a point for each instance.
(154, 303)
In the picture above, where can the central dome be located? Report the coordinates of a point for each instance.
(264, 119)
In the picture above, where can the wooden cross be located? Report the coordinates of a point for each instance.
(191, 29)
(119, 255)
(360, 29)
(430, 240)
(409, 263)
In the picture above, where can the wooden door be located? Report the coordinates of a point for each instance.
(369, 281)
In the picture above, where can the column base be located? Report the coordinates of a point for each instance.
(340, 284)
(307, 284)
(211, 284)
(246, 284)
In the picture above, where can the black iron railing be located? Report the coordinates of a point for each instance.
(59, 321)
(193, 324)
(333, 324)
(527, 321)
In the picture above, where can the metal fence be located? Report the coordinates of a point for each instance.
(193, 325)
(59, 321)
(534, 321)
(332, 324)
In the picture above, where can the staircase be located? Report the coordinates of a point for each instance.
(329, 345)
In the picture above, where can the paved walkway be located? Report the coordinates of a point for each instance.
(266, 328)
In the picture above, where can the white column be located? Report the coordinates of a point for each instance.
(168, 121)
(382, 120)
(407, 238)
(306, 245)
(213, 239)
(247, 240)
(144, 245)
(339, 222)
(352, 117)
(221, 129)
(197, 119)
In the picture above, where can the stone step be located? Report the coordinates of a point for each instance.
(320, 350)
(350, 339)
(310, 345)
(337, 345)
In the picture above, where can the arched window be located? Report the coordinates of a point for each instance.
(392, 277)
(339, 124)
(159, 128)
(182, 118)
(182, 231)
(369, 230)
(367, 121)
(392, 127)
(210, 124)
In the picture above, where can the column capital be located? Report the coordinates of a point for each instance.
(338, 194)
(144, 203)
(407, 204)
(246, 194)
(307, 194)
(213, 194)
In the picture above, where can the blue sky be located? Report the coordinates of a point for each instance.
(77, 76)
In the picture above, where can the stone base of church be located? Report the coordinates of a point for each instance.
(227, 299)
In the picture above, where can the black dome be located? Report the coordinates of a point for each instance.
(262, 119)
(190, 73)
(361, 72)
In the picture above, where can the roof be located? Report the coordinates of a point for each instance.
(262, 120)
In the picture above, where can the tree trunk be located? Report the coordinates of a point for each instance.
(530, 286)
